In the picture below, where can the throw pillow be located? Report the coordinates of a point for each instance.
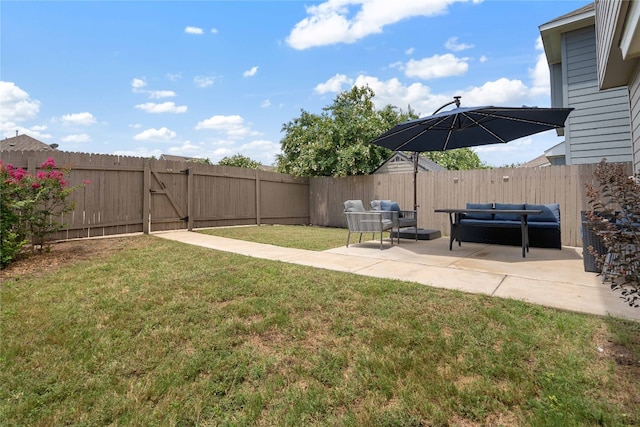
(479, 215)
(507, 216)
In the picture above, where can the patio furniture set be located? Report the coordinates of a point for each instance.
(522, 225)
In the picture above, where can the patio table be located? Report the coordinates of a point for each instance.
(456, 226)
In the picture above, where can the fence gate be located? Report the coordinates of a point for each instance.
(168, 198)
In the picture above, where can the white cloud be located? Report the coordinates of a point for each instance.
(453, 45)
(83, 137)
(135, 126)
(221, 122)
(261, 150)
(483, 58)
(265, 104)
(174, 77)
(393, 92)
(203, 81)
(233, 126)
(15, 104)
(250, 73)
(330, 22)
(193, 30)
(137, 85)
(421, 98)
(159, 94)
(214, 31)
(334, 84)
(162, 134)
(188, 149)
(541, 81)
(410, 51)
(437, 66)
(165, 107)
(84, 118)
(501, 92)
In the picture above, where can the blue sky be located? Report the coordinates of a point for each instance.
(215, 78)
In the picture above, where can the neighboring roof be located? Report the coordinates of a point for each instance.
(24, 143)
(551, 31)
(178, 158)
(556, 151)
(546, 159)
(538, 162)
(424, 164)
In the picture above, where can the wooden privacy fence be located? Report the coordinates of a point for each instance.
(134, 194)
(453, 189)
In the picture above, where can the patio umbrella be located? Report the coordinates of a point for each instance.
(469, 127)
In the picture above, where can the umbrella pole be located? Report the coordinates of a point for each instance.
(415, 181)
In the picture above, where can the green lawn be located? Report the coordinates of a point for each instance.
(290, 236)
(162, 333)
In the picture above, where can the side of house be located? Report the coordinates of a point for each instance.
(600, 125)
(618, 41)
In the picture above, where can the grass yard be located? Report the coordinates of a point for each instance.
(153, 332)
(290, 236)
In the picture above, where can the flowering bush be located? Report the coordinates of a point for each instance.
(30, 206)
(615, 218)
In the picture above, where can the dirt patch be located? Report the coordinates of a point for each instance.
(56, 255)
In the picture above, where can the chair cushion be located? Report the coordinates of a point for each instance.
(375, 204)
(387, 205)
(550, 213)
(508, 217)
(354, 206)
(479, 215)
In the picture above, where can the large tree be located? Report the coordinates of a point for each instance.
(459, 159)
(239, 161)
(336, 142)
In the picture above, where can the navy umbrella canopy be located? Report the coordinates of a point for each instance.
(470, 127)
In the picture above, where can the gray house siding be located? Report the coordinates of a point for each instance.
(599, 127)
(634, 94)
(606, 11)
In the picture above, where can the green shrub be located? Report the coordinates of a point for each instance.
(615, 217)
(30, 205)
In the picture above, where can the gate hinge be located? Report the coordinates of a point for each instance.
(186, 218)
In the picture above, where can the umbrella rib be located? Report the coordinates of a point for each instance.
(518, 119)
(477, 123)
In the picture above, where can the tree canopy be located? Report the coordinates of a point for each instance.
(239, 161)
(459, 159)
(336, 142)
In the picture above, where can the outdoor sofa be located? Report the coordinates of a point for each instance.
(504, 229)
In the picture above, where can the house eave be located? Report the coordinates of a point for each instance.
(551, 32)
(622, 51)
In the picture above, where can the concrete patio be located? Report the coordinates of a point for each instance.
(549, 277)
